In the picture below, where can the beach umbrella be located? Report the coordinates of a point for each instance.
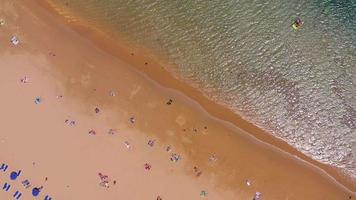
(14, 175)
(36, 191)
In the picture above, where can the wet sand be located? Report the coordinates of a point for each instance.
(61, 62)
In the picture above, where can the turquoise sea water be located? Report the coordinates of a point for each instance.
(300, 85)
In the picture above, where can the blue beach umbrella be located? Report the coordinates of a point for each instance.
(14, 175)
(36, 191)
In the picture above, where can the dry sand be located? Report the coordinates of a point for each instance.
(36, 139)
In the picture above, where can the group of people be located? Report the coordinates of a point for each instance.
(104, 179)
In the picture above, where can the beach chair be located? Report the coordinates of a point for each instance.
(6, 187)
(17, 194)
(3, 167)
(14, 175)
(47, 198)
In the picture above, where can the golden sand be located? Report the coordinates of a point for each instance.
(73, 72)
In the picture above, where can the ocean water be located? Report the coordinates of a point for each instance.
(299, 85)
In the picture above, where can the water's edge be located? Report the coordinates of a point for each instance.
(220, 111)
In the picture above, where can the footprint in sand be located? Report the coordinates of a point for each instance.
(85, 79)
(135, 90)
(187, 140)
(72, 80)
(170, 132)
(180, 120)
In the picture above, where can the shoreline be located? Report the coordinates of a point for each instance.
(74, 78)
(119, 48)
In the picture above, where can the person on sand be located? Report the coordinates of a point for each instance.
(2, 22)
(97, 110)
(70, 123)
(175, 157)
(104, 180)
(203, 193)
(248, 183)
(128, 145)
(147, 166)
(52, 54)
(151, 143)
(112, 131)
(92, 132)
(112, 93)
(168, 148)
(25, 79)
(257, 196)
(197, 171)
(15, 40)
(132, 120)
(169, 102)
(212, 159)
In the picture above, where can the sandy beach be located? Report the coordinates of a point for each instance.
(84, 119)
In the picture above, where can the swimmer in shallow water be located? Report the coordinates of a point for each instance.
(297, 23)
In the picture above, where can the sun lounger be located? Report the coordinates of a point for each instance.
(17, 194)
(47, 198)
(4, 167)
(6, 187)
